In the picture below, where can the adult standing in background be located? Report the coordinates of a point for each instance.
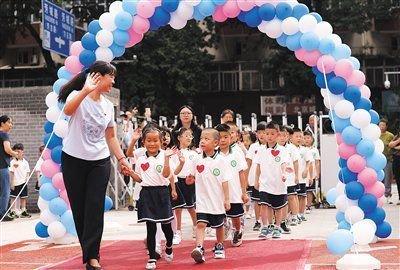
(227, 115)
(186, 120)
(386, 138)
(6, 153)
(394, 146)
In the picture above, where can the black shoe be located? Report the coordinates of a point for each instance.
(257, 226)
(284, 228)
(237, 239)
(8, 218)
(91, 267)
(25, 214)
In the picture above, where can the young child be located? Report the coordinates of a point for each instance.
(38, 168)
(235, 133)
(185, 137)
(154, 206)
(251, 153)
(314, 169)
(271, 173)
(212, 194)
(237, 184)
(249, 138)
(19, 174)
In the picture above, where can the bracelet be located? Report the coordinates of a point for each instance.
(120, 158)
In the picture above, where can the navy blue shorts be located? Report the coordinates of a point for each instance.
(302, 190)
(188, 192)
(154, 205)
(213, 221)
(292, 190)
(236, 210)
(255, 194)
(17, 189)
(276, 202)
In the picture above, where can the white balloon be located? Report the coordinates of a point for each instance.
(61, 128)
(363, 232)
(185, 11)
(342, 203)
(340, 188)
(290, 26)
(46, 217)
(263, 27)
(354, 214)
(56, 230)
(335, 39)
(193, 3)
(104, 38)
(365, 91)
(325, 29)
(307, 23)
(42, 204)
(104, 54)
(115, 7)
(331, 100)
(344, 109)
(53, 113)
(106, 21)
(176, 22)
(360, 118)
(324, 92)
(51, 99)
(372, 132)
(274, 28)
(379, 146)
(67, 239)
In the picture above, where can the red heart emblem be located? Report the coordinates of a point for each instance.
(275, 152)
(145, 166)
(200, 168)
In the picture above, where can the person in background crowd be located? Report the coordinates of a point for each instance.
(386, 138)
(395, 150)
(38, 168)
(248, 138)
(186, 120)
(6, 153)
(227, 116)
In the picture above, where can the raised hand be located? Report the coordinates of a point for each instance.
(171, 151)
(92, 82)
(137, 133)
(180, 156)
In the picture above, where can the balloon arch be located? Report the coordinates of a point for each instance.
(358, 196)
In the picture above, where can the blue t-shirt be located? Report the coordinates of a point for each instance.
(4, 157)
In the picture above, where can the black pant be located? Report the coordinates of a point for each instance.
(86, 183)
(151, 237)
(396, 171)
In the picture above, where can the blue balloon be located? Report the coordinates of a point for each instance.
(43, 180)
(58, 84)
(123, 20)
(342, 163)
(48, 127)
(67, 220)
(351, 135)
(383, 230)
(57, 206)
(381, 175)
(368, 203)
(320, 79)
(309, 41)
(331, 196)
(197, 15)
(94, 27)
(48, 192)
(354, 190)
(337, 85)
(293, 41)
(267, 12)
(87, 58)
(341, 51)
(365, 147)
(283, 10)
(377, 161)
(108, 204)
(153, 25)
(352, 94)
(374, 117)
(54, 140)
(344, 225)
(339, 124)
(340, 217)
(314, 70)
(41, 230)
(282, 40)
(364, 103)
(378, 215)
(161, 17)
(206, 8)
(121, 37)
(63, 73)
(129, 6)
(117, 50)
(340, 242)
(300, 10)
(241, 16)
(171, 5)
(316, 16)
(219, 2)
(347, 176)
(56, 154)
(326, 46)
(355, 62)
(89, 42)
(252, 18)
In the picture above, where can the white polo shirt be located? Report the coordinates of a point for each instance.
(190, 157)
(236, 163)
(270, 161)
(305, 156)
(316, 157)
(210, 173)
(293, 155)
(251, 153)
(150, 170)
(21, 169)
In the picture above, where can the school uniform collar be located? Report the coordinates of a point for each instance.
(147, 155)
(213, 156)
(274, 147)
(230, 150)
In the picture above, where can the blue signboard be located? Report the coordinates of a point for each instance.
(58, 28)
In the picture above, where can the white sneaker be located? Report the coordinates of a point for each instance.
(198, 255)
(194, 229)
(151, 264)
(219, 252)
(177, 238)
(169, 257)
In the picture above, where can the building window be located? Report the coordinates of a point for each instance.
(27, 57)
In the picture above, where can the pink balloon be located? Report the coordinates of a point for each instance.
(134, 38)
(155, 3)
(58, 181)
(344, 68)
(339, 138)
(357, 78)
(64, 196)
(381, 201)
(145, 9)
(377, 189)
(356, 163)
(365, 91)
(311, 58)
(50, 168)
(72, 64)
(346, 151)
(140, 25)
(326, 62)
(367, 177)
(46, 154)
(231, 9)
(300, 54)
(219, 15)
(76, 48)
(245, 5)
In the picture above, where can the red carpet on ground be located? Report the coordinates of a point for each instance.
(268, 254)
